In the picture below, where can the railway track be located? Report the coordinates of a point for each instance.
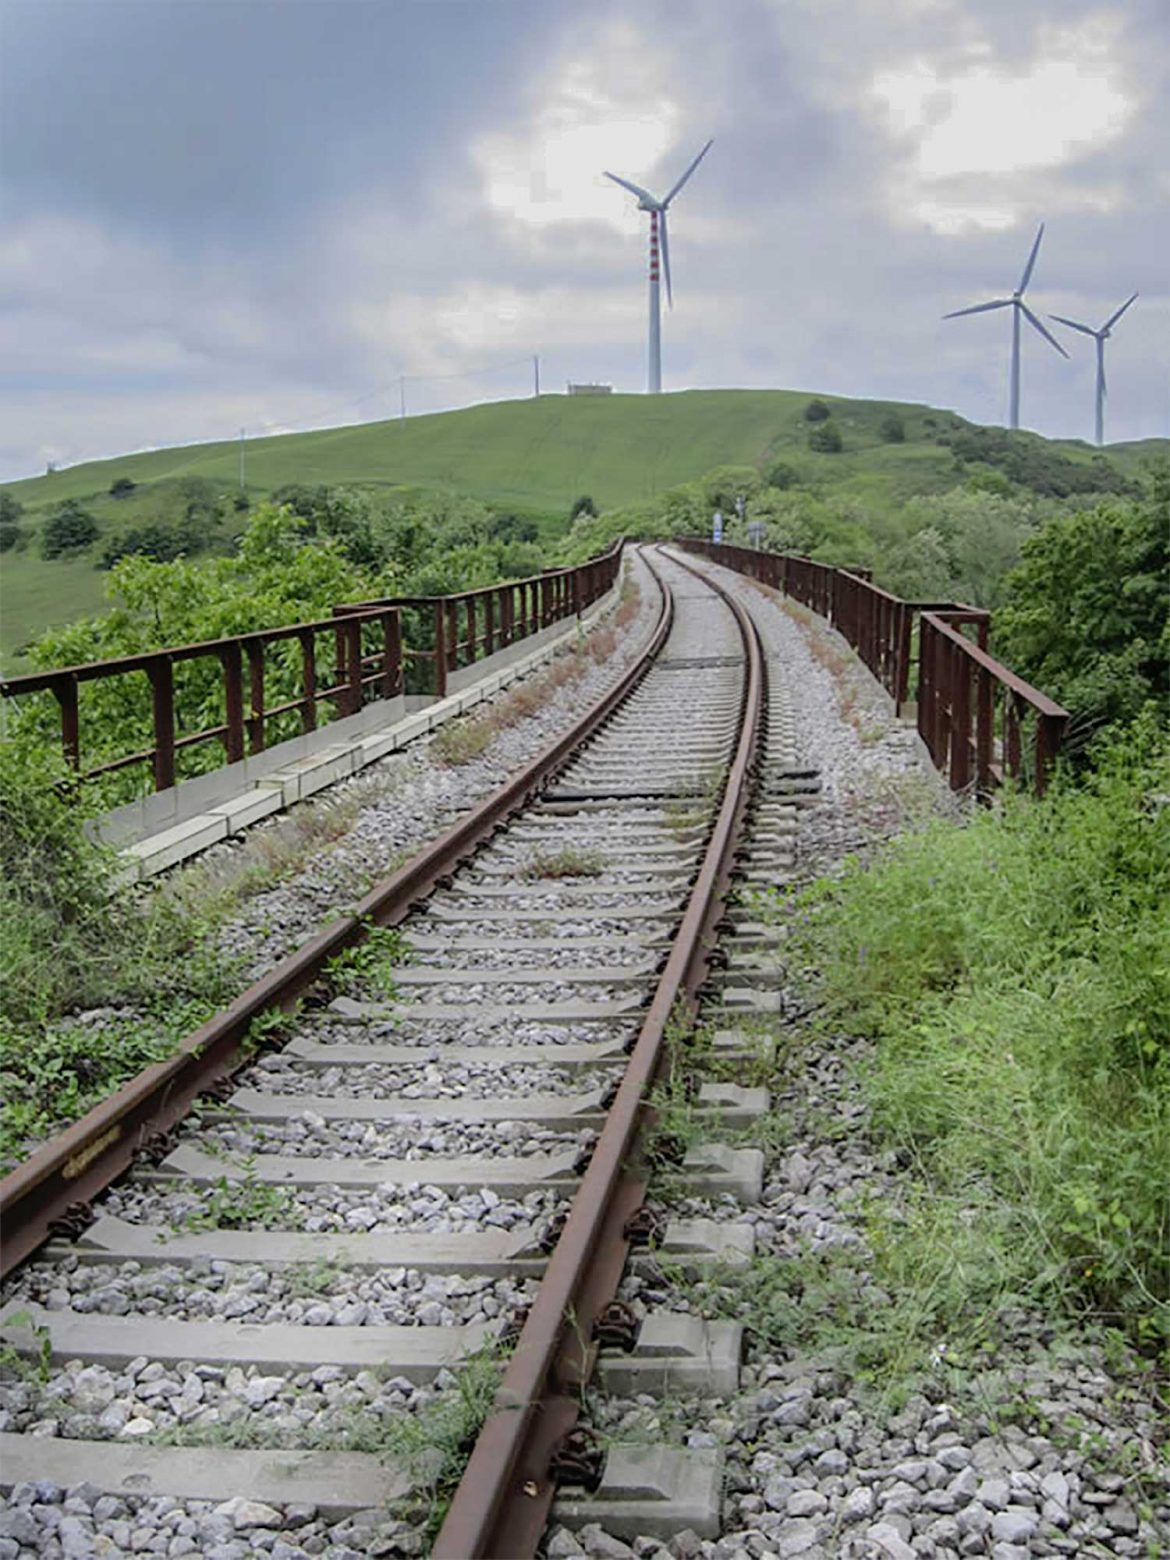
(434, 1177)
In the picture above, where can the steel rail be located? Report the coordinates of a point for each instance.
(500, 1509)
(50, 1192)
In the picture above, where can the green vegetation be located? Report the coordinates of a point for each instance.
(527, 462)
(826, 439)
(1087, 613)
(69, 529)
(1015, 976)
(72, 940)
(371, 963)
(433, 1444)
(243, 1204)
(570, 862)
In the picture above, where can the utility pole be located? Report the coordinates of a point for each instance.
(241, 460)
(535, 375)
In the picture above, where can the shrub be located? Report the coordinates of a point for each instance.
(70, 529)
(891, 429)
(582, 506)
(10, 534)
(160, 542)
(816, 411)
(122, 487)
(825, 439)
(11, 509)
(1087, 612)
(1013, 976)
(781, 476)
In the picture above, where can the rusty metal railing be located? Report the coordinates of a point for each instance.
(365, 656)
(350, 673)
(981, 723)
(977, 718)
(474, 623)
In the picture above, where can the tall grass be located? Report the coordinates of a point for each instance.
(1015, 975)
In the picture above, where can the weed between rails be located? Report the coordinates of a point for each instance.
(568, 863)
(371, 963)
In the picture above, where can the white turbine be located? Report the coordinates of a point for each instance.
(1017, 305)
(657, 210)
(1100, 337)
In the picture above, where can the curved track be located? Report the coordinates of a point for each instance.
(367, 1205)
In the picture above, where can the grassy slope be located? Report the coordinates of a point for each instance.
(535, 456)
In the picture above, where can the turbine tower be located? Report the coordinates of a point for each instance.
(1100, 337)
(658, 236)
(1017, 305)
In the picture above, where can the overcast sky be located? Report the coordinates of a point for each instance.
(259, 213)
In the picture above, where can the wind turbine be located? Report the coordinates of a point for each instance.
(657, 210)
(1017, 305)
(1100, 337)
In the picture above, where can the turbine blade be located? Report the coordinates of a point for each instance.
(1086, 330)
(1113, 318)
(1027, 276)
(634, 189)
(687, 174)
(979, 308)
(664, 246)
(1043, 329)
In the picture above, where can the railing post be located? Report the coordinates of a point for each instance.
(471, 645)
(440, 650)
(256, 694)
(960, 682)
(489, 622)
(984, 731)
(233, 702)
(65, 691)
(1049, 731)
(452, 635)
(353, 665)
(1011, 735)
(308, 680)
(163, 708)
(391, 651)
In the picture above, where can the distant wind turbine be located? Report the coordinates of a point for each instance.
(1100, 337)
(657, 210)
(1017, 305)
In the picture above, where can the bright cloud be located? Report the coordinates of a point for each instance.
(602, 107)
(975, 132)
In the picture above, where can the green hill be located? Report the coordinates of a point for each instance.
(533, 457)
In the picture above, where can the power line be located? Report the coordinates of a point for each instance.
(399, 382)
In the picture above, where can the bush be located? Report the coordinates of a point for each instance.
(1087, 612)
(825, 439)
(122, 487)
(10, 534)
(816, 411)
(160, 542)
(582, 506)
(1013, 976)
(891, 429)
(70, 529)
(781, 476)
(11, 509)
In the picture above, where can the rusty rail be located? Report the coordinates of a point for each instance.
(51, 1191)
(502, 1503)
(478, 622)
(975, 715)
(364, 657)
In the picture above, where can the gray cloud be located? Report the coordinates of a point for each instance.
(252, 213)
